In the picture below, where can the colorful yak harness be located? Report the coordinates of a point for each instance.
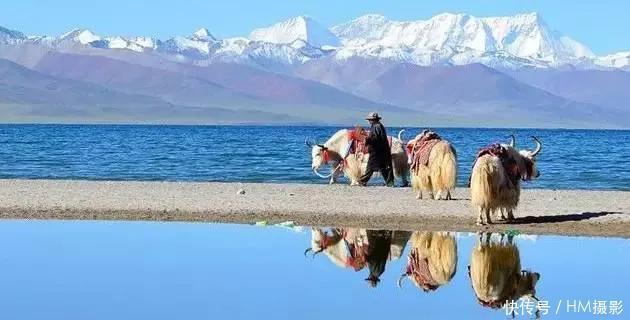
(508, 163)
(418, 268)
(357, 255)
(420, 150)
(356, 146)
(357, 143)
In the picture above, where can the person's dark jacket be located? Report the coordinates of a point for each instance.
(378, 146)
(380, 242)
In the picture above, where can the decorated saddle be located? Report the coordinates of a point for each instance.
(418, 151)
(508, 162)
(418, 268)
(357, 142)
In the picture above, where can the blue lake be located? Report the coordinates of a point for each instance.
(140, 270)
(584, 159)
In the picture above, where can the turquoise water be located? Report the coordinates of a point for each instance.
(584, 159)
(137, 270)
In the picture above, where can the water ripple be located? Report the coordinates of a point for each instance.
(583, 159)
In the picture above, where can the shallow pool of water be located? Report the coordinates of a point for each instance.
(140, 270)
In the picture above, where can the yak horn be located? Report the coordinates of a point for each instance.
(400, 134)
(307, 251)
(321, 175)
(512, 141)
(308, 143)
(400, 280)
(538, 146)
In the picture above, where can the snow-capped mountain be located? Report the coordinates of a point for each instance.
(452, 69)
(299, 28)
(460, 39)
(82, 36)
(203, 35)
(616, 60)
(8, 36)
(511, 42)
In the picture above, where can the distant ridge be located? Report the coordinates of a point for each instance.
(452, 69)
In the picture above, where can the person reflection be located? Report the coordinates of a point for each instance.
(432, 260)
(495, 272)
(359, 248)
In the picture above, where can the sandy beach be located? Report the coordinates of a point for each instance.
(566, 212)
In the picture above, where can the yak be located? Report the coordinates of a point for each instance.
(496, 275)
(337, 152)
(495, 182)
(433, 165)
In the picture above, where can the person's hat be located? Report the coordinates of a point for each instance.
(373, 116)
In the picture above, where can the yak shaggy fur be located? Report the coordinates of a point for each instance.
(439, 176)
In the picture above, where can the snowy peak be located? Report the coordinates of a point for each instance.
(8, 36)
(368, 27)
(203, 35)
(299, 28)
(82, 36)
(460, 39)
(88, 38)
(615, 60)
(523, 40)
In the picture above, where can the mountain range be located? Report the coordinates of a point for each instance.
(449, 70)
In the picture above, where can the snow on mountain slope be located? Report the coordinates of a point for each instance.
(459, 39)
(510, 42)
(8, 36)
(616, 60)
(203, 35)
(299, 28)
(89, 38)
(82, 36)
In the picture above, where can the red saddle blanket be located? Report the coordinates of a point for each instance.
(357, 142)
(420, 150)
(508, 163)
(418, 268)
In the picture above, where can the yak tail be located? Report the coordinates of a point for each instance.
(449, 169)
(443, 163)
(482, 184)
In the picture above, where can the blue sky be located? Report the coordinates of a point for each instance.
(602, 25)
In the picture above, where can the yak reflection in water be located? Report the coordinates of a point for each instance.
(495, 272)
(357, 248)
(432, 260)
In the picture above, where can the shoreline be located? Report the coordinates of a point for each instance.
(307, 125)
(541, 211)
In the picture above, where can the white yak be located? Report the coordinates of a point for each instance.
(357, 249)
(336, 153)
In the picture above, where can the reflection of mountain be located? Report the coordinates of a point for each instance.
(495, 272)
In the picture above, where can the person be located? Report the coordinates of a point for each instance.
(380, 242)
(380, 154)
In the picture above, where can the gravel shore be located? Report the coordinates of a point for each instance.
(570, 212)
